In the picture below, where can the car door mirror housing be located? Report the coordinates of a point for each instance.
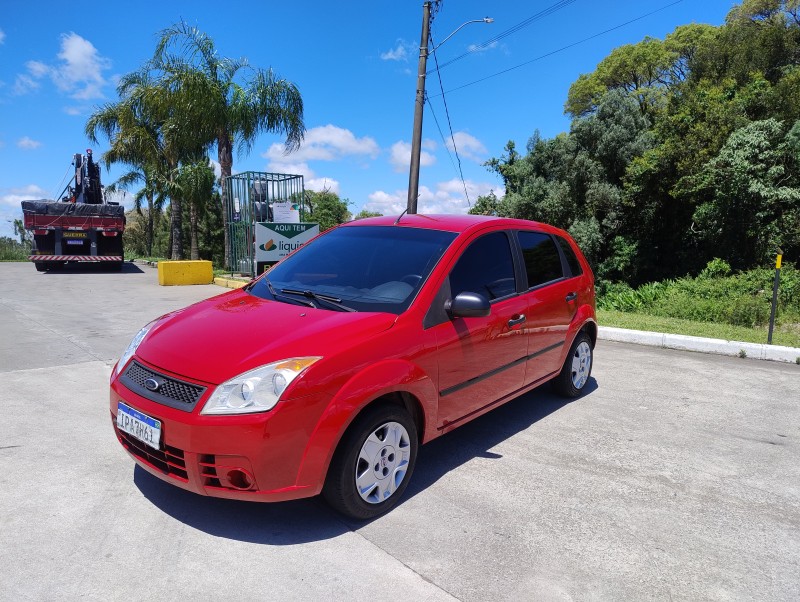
(468, 305)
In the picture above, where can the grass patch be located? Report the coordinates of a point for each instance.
(785, 334)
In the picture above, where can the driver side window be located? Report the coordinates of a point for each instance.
(486, 267)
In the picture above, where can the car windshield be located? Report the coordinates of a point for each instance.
(361, 268)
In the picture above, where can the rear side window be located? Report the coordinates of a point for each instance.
(486, 267)
(572, 260)
(542, 261)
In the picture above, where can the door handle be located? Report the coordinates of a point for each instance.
(571, 297)
(516, 321)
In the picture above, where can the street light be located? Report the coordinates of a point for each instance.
(416, 136)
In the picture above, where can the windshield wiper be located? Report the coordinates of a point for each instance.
(289, 299)
(329, 299)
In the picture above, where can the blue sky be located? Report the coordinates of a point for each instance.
(355, 65)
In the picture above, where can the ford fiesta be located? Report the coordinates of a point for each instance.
(327, 373)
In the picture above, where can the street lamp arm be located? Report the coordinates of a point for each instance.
(457, 29)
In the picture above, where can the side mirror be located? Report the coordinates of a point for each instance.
(468, 305)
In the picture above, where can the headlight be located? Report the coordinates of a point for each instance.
(134, 344)
(258, 390)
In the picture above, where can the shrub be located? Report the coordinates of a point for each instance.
(716, 295)
(11, 250)
(716, 268)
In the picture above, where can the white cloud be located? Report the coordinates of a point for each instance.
(26, 143)
(400, 157)
(310, 179)
(78, 73)
(322, 184)
(477, 48)
(447, 198)
(216, 167)
(325, 143)
(14, 196)
(73, 110)
(122, 197)
(400, 53)
(299, 169)
(468, 147)
(24, 84)
(2, 36)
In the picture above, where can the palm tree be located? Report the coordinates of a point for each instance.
(196, 182)
(219, 109)
(150, 191)
(148, 130)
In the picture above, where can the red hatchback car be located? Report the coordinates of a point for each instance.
(326, 374)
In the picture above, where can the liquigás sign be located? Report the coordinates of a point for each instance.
(275, 241)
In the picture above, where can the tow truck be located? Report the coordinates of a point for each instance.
(81, 227)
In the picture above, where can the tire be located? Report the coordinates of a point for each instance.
(40, 266)
(373, 463)
(577, 367)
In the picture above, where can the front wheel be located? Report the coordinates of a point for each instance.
(373, 463)
(577, 368)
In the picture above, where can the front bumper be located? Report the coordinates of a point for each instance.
(255, 457)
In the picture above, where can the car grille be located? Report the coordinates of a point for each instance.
(171, 392)
(169, 460)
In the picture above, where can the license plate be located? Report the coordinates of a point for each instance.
(74, 241)
(138, 425)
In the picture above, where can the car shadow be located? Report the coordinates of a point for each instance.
(93, 268)
(306, 520)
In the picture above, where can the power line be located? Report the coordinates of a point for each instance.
(563, 48)
(521, 25)
(449, 123)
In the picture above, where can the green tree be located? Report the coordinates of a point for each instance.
(196, 183)
(327, 209)
(755, 195)
(223, 106)
(364, 213)
(150, 191)
(148, 133)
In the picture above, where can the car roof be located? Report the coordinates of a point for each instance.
(448, 222)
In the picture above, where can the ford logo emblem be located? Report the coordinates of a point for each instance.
(151, 384)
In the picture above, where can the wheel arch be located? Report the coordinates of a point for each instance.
(395, 382)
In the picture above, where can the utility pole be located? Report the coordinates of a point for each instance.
(416, 136)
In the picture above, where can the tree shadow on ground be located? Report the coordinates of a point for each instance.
(301, 521)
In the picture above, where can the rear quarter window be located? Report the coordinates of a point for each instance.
(542, 259)
(569, 254)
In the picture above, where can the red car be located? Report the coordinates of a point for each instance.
(326, 374)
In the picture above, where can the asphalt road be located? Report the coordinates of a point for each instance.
(677, 477)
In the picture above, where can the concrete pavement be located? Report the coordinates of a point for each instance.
(676, 477)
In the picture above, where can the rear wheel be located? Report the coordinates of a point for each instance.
(373, 463)
(40, 266)
(577, 368)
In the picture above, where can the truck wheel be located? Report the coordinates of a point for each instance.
(40, 266)
(373, 463)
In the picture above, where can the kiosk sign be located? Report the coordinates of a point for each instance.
(276, 241)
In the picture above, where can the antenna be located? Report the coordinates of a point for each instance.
(397, 221)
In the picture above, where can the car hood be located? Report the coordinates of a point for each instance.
(219, 338)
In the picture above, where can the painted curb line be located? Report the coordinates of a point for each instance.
(758, 351)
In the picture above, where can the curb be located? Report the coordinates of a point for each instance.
(758, 351)
(229, 283)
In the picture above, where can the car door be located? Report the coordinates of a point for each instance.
(481, 359)
(551, 303)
